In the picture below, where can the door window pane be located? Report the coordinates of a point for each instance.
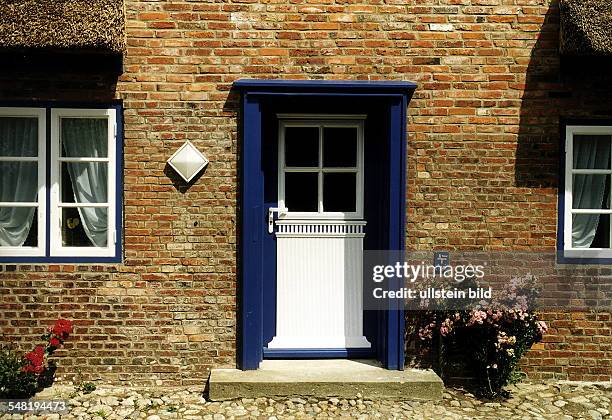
(87, 182)
(301, 191)
(339, 192)
(18, 136)
(592, 152)
(340, 147)
(302, 146)
(591, 192)
(84, 137)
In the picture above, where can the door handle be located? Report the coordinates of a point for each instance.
(271, 211)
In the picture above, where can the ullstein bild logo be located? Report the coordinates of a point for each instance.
(433, 293)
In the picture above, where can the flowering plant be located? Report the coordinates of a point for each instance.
(55, 337)
(493, 338)
(20, 377)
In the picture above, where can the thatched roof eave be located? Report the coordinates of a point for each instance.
(586, 27)
(72, 25)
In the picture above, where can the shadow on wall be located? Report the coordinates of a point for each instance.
(178, 182)
(54, 76)
(557, 89)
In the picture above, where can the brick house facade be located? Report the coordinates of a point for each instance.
(484, 135)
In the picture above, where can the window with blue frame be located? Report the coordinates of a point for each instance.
(587, 232)
(59, 195)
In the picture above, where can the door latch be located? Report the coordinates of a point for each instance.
(271, 211)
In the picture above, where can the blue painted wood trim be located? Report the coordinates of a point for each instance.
(394, 351)
(63, 104)
(329, 94)
(251, 226)
(336, 86)
(391, 342)
(119, 141)
(317, 353)
(47, 259)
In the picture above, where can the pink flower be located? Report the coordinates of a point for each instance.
(542, 327)
(477, 317)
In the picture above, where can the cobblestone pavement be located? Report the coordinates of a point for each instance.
(550, 400)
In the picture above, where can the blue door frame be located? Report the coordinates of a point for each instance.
(397, 94)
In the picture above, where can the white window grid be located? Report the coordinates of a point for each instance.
(569, 211)
(55, 231)
(321, 122)
(55, 160)
(40, 204)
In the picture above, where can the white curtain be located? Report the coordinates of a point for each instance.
(590, 152)
(83, 137)
(18, 180)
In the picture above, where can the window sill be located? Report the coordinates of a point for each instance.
(585, 256)
(587, 253)
(59, 260)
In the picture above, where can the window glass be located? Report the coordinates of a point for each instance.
(591, 191)
(591, 152)
(32, 239)
(18, 180)
(84, 182)
(301, 191)
(15, 225)
(340, 147)
(591, 231)
(84, 137)
(321, 167)
(339, 192)
(18, 136)
(302, 146)
(76, 232)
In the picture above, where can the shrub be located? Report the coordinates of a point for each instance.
(14, 381)
(23, 376)
(492, 339)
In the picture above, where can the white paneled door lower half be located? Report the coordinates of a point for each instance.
(319, 285)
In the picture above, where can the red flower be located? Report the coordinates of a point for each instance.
(54, 342)
(62, 328)
(36, 360)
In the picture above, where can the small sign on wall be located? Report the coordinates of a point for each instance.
(188, 161)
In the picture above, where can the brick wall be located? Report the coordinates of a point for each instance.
(483, 156)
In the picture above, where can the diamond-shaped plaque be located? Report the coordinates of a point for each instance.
(188, 161)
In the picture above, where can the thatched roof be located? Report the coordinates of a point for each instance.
(73, 25)
(586, 27)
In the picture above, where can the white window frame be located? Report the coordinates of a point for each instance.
(55, 232)
(29, 251)
(321, 121)
(568, 251)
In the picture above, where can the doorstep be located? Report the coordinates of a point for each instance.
(324, 378)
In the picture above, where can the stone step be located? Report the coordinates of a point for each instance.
(324, 378)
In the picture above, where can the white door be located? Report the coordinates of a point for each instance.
(320, 231)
